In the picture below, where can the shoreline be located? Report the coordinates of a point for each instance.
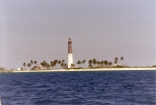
(80, 70)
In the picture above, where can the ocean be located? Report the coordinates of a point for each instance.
(79, 88)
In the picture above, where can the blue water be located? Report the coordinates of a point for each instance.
(79, 88)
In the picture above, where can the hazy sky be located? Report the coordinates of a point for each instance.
(101, 29)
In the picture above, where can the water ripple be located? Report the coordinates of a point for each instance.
(79, 88)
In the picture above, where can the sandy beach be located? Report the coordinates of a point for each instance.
(77, 70)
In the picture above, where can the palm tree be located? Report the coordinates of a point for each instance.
(41, 63)
(90, 65)
(90, 62)
(63, 61)
(122, 58)
(52, 64)
(115, 61)
(35, 62)
(55, 62)
(83, 62)
(24, 64)
(116, 58)
(65, 65)
(72, 66)
(62, 65)
(102, 62)
(110, 63)
(47, 66)
(59, 62)
(29, 64)
(44, 63)
(106, 62)
(94, 62)
(98, 62)
(79, 62)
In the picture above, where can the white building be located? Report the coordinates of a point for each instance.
(70, 55)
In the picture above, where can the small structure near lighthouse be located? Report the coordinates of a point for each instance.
(70, 55)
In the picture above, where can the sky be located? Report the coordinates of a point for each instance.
(102, 29)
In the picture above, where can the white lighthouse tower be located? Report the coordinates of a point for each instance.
(70, 55)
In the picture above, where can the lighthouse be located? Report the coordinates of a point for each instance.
(70, 55)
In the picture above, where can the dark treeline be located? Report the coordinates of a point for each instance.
(92, 63)
(56, 63)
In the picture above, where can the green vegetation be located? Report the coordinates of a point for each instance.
(154, 66)
(60, 64)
